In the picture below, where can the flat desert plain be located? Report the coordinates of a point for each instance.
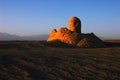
(37, 60)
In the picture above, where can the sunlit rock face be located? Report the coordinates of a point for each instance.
(63, 35)
(74, 24)
(73, 35)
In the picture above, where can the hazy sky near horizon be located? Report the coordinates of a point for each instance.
(31, 17)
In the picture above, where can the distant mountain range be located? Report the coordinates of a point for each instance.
(8, 37)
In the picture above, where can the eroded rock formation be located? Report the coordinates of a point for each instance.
(74, 24)
(73, 35)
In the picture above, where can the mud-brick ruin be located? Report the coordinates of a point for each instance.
(73, 35)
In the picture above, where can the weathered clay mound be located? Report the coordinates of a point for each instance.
(90, 40)
(72, 35)
(63, 35)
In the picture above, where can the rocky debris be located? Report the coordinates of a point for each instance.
(72, 35)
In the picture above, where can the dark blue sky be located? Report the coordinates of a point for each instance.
(31, 17)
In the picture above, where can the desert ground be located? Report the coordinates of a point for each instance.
(38, 60)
